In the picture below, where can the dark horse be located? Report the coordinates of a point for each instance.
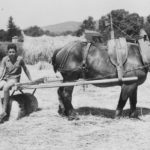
(69, 62)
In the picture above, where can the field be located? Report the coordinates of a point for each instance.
(41, 48)
(96, 129)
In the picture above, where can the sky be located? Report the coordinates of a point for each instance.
(28, 13)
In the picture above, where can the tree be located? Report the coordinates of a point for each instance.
(13, 30)
(118, 18)
(148, 19)
(34, 31)
(147, 26)
(3, 35)
(133, 24)
(124, 24)
(88, 24)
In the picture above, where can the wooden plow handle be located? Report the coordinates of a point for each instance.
(103, 82)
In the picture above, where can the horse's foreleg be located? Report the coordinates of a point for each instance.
(65, 99)
(126, 92)
(61, 109)
(133, 102)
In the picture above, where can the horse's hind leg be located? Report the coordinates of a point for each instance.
(127, 91)
(65, 105)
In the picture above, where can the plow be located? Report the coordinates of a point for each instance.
(45, 83)
(28, 103)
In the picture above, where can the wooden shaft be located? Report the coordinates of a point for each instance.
(40, 80)
(77, 83)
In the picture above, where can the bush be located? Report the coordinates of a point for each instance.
(3, 48)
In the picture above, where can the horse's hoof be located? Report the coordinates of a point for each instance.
(73, 116)
(134, 115)
(70, 118)
(61, 112)
(4, 117)
(118, 114)
(117, 117)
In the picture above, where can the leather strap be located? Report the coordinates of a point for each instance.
(86, 54)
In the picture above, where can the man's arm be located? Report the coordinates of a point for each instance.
(26, 70)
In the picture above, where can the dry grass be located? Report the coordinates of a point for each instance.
(42, 65)
(96, 129)
(42, 48)
(36, 49)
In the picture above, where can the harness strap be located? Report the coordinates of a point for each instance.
(118, 52)
(85, 55)
(120, 63)
(84, 65)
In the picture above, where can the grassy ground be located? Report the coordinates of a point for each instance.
(96, 129)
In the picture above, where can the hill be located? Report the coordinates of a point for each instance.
(63, 27)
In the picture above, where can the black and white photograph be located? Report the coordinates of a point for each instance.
(74, 75)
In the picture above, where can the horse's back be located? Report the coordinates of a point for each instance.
(69, 57)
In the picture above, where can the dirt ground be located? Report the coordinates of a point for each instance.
(96, 129)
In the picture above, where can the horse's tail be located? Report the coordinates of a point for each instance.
(54, 59)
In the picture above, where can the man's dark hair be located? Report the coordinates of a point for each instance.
(12, 46)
